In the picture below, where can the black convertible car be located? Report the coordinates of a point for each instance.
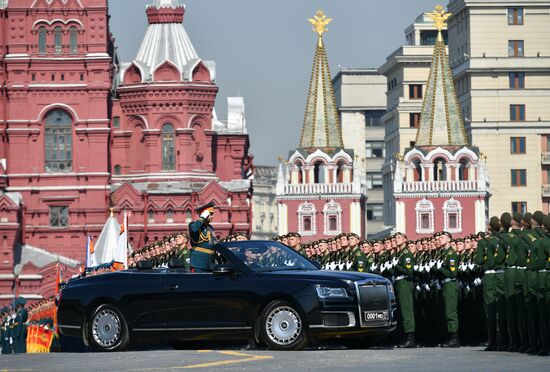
(260, 290)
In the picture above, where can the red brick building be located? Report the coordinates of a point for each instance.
(81, 132)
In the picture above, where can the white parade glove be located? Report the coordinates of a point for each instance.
(417, 288)
(348, 265)
(395, 261)
(437, 285)
(372, 267)
(427, 287)
(439, 264)
(432, 263)
(471, 266)
(467, 288)
(477, 282)
(205, 214)
(416, 267)
(382, 268)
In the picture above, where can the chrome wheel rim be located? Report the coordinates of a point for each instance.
(106, 328)
(283, 325)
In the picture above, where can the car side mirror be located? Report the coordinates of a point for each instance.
(223, 269)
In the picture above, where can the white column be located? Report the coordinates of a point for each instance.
(355, 217)
(400, 218)
(480, 215)
(283, 218)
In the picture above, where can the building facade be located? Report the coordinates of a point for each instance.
(82, 132)
(264, 205)
(319, 192)
(361, 100)
(500, 58)
(440, 183)
(406, 71)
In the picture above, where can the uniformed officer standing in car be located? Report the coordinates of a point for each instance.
(203, 239)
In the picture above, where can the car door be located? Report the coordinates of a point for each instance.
(141, 300)
(203, 300)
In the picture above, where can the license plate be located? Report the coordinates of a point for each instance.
(373, 316)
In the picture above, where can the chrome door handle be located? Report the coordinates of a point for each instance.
(172, 287)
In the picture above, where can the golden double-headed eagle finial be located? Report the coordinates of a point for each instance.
(320, 22)
(440, 17)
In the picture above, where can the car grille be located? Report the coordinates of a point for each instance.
(373, 297)
(336, 319)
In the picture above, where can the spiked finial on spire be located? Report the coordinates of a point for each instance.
(441, 121)
(321, 127)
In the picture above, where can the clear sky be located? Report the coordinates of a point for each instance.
(264, 51)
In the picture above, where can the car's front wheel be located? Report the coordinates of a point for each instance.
(107, 330)
(282, 327)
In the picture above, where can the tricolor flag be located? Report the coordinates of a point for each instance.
(121, 254)
(90, 252)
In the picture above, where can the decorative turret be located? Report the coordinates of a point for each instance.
(442, 176)
(165, 11)
(321, 128)
(319, 191)
(441, 122)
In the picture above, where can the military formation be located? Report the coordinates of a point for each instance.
(13, 327)
(492, 286)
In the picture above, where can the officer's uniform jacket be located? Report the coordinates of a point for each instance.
(203, 239)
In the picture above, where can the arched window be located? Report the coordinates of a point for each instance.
(117, 170)
(151, 216)
(298, 169)
(42, 39)
(417, 170)
(169, 216)
(58, 40)
(463, 170)
(188, 215)
(168, 148)
(319, 172)
(73, 36)
(452, 211)
(333, 218)
(424, 217)
(306, 219)
(440, 170)
(58, 141)
(340, 171)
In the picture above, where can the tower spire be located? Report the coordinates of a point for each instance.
(321, 127)
(441, 121)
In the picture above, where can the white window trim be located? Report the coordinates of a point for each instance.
(452, 206)
(307, 210)
(332, 209)
(419, 211)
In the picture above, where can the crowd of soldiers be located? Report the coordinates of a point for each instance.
(491, 286)
(13, 327)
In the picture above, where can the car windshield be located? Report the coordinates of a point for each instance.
(269, 256)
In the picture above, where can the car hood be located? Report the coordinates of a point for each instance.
(327, 275)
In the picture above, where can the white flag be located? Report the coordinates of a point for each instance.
(90, 252)
(121, 255)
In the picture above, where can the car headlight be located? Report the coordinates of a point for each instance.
(328, 292)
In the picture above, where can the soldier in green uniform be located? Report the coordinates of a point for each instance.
(404, 288)
(543, 295)
(183, 252)
(520, 250)
(490, 256)
(20, 327)
(532, 233)
(448, 271)
(4, 328)
(203, 239)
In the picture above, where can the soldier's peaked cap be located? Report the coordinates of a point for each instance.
(294, 235)
(527, 217)
(494, 222)
(539, 217)
(205, 207)
(446, 233)
(506, 220)
(517, 217)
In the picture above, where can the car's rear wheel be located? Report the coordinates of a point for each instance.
(107, 329)
(282, 327)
